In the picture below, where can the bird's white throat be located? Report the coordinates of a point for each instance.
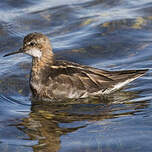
(34, 52)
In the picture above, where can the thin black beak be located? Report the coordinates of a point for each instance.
(19, 51)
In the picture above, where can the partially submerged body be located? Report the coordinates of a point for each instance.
(57, 79)
(65, 79)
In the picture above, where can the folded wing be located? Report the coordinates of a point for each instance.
(81, 81)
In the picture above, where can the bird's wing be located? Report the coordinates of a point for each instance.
(87, 78)
(78, 76)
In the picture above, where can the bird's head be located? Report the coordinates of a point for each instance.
(35, 45)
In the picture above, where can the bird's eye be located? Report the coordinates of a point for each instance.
(32, 44)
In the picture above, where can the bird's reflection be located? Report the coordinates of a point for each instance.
(44, 123)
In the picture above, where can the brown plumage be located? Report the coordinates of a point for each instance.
(58, 79)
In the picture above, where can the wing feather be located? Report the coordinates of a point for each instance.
(79, 78)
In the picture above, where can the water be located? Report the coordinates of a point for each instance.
(110, 34)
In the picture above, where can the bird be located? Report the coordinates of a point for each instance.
(61, 79)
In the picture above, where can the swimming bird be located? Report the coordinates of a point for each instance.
(60, 79)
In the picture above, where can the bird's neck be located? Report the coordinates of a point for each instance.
(40, 73)
(41, 67)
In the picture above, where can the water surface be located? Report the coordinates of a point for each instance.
(107, 34)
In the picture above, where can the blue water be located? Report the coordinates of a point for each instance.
(107, 34)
